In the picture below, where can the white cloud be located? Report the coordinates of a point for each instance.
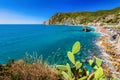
(8, 17)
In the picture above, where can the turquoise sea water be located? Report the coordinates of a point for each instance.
(51, 41)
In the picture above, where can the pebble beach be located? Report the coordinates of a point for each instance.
(110, 52)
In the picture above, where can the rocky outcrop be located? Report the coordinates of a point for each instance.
(86, 30)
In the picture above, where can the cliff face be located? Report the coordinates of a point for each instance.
(87, 18)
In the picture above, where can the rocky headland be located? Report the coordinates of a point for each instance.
(98, 18)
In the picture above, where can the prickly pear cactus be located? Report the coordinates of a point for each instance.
(71, 57)
(98, 61)
(75, 72)
(91, 62)
(61, 67)
(76, 47)
(98, 73)
(78, 65)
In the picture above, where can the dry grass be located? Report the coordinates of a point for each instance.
(35, 71)
(32, 67)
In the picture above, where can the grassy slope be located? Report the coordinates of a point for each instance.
(103, 16)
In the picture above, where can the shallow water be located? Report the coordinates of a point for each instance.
(51, 41)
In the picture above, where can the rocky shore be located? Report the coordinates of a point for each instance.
(110, 52)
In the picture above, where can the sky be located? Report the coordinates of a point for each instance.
(37, 11)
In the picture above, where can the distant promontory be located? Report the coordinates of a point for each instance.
(98, 18)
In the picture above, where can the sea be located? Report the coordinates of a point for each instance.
(51, 41)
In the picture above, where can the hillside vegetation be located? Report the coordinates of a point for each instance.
(102, 17)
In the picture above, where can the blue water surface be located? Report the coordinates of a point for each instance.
(51, 41)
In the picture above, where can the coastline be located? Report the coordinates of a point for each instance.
(110, 55)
